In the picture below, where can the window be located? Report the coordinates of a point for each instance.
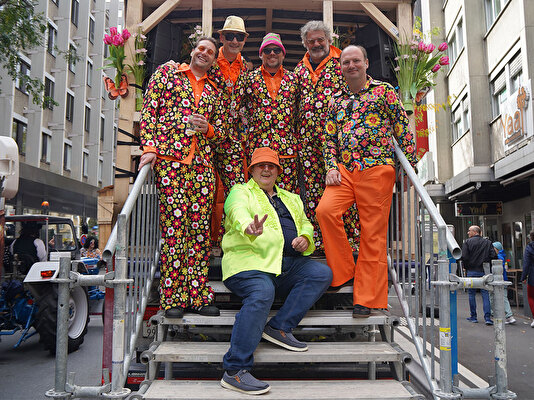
(498, 94)
(52, 40)
(85, 166)
(49, 92)
(466, 115)
(69, 114)
(91, 30)
(516, 73)
(460, 119)
(493, 9)
(100, 169)
(456, 42)
(24, 70)
(67, 157)
(19, 131)
(102, 127)
(87, 119)
(46, 147)
(89, 74)
(72, 58)
(74, 9)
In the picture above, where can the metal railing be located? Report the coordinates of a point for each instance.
(421, 259)
(133, 250)
(421, 249)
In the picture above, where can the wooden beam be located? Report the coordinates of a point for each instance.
(382, 21)
(404, 21)
(161, 12)
(207, 17)
(268, 20)
(328, 14)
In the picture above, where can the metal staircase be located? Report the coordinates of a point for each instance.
(348, 358)
(357, 358)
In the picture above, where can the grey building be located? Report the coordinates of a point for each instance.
(481, 161)
(67, 151)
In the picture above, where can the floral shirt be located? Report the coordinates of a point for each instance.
(271, 120)
(360, 128)
(316, 89)
(169, 101)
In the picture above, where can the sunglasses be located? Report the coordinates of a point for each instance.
(207, 49)
(232, 35)
(275, 50)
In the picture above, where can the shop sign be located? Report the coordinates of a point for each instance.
(516, 117)
(486, 208)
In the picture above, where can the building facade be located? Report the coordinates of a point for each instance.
(480, 117)
(67, 150)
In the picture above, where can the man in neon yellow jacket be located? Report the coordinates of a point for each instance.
(267, 241)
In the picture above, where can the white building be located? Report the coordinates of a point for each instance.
(482, 146)
(67, 151)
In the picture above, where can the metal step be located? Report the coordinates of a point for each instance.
(284, 390)
(324, 352)
(218, 287)
(313, 317)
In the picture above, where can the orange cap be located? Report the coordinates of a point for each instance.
(265, 154)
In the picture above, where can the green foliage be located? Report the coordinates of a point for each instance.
(21, 29)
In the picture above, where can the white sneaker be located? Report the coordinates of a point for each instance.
(532, 324)
(510, 320)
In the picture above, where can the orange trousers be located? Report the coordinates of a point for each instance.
(371, 190)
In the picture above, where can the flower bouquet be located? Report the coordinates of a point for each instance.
(138, 68)
(416, 66)
(116, 41)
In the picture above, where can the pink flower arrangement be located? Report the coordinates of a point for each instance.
(416, 64)
(116, 41)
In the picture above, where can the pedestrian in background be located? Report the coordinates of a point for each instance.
(509, 315)
(475, 252)
(527, 277)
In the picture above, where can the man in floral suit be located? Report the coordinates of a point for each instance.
(180, 120)
(270, 96)
(362, 120)
(228, 157)
(319, 78)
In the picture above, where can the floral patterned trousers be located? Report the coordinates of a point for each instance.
(314, 173)
(186, 199)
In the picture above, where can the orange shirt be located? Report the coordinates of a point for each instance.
(230, 71)
(273, 82)
(198, 87)
(334, 52)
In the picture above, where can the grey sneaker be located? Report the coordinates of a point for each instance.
(283, 339)
(510, 320)
(244, 382)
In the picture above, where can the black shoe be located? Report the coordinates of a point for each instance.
(175, 312)
(360, 311)
(207, 311)
(350, 282)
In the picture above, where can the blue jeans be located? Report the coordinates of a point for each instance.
(302, 282)
(485, 298)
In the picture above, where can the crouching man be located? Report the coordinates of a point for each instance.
(267, 241)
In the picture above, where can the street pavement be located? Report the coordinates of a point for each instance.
(27, 372)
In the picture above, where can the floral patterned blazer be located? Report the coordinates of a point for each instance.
(360, 128)
(168, 103)
(316, 90)
(271, 121)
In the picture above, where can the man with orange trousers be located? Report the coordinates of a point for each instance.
(362, 120)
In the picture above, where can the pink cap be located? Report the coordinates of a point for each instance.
(272, 38)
